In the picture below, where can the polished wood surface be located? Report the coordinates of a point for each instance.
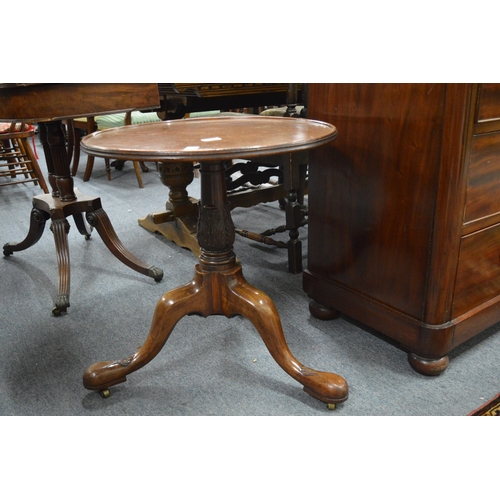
(248, 136)
(488, 102)
(218, 286)
(221, 138)
(178, 99)
(44, 102)
(483, 188)
(49, 104)
(402, 212)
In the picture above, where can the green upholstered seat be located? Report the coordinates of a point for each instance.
(118, 119)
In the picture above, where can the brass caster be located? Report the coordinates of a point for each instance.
(332, 406)
(105, 393)
(58, 310)
(61, 305)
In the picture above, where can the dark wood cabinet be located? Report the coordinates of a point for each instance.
(404, 212)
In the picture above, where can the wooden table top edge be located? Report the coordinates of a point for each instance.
(204, 155)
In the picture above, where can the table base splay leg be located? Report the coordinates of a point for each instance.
(225, 293)
(248, 301)
(60, 229)
(82, 226)
(100, 220)
(37, 226)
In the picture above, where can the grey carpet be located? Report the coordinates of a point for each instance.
(212, 366)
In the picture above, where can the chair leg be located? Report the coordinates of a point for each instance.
(76, 155)
(36, 171)
(108, 168)
(70, 133)
(137, 169)
(89, 168)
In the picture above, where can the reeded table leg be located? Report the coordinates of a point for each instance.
(218, 288)
(100, 220)
(38, 219)
(58, 206)
(82, 226)
(60, 229)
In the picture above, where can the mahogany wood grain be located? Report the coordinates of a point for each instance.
(205, 139)
(410, 174)
(489, 102)
(483, 191)
(478, 277)
(57, 101)
(384, 162)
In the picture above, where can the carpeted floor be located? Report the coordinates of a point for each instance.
(212, 366)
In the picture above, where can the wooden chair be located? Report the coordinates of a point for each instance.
(276, 178)
(255, 185)
(76, 129)
(18, 163)
(268, 179)
(90, 124)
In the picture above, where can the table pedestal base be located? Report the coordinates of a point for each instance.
(218, 288)
(181, 230)
(47, 207)
(66, 201)
(224, 293)
(178, 222)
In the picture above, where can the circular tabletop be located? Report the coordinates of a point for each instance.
(215, 138)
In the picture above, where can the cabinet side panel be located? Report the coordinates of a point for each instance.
(372, 191)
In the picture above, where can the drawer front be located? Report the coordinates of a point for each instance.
(483, 189)
(478, 278)
(489, 102)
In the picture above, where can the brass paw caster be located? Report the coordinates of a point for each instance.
(332, 406)
(61, 305)
(105, 393)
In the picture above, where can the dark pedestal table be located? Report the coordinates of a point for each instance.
(48, 105)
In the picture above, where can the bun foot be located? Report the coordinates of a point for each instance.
(429, 367)
(322, 312)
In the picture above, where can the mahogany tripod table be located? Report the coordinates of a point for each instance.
(218, 286)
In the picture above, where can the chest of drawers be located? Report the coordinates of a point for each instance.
(404, 213)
